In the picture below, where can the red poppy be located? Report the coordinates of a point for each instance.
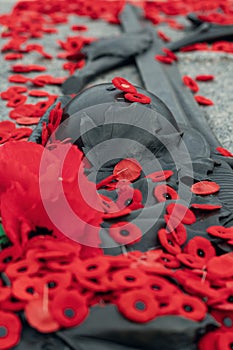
(13, 56)
(127, 169)
(190, 307)
(221, 232)
(123, 85)
(205, 188)
(163, 36)
(209, 341)
(225, 318)
(93, 267)
(9, 255)
(79, 27)
(190, 83)
(177, 230)
(204, 77)
(39, 316)
(16, 101)
(224, 152)
(27, 288)
(203, 100)
(220, 266)
(160, 287)
(181, 212)
(201, 248)
(170, 54)
(125, 233)
(191, 261)
(164, 59)
(17, 79)
(27, 120)
(169, 261)
(165, 192)
(159, 176)
(69, 309)
(168, 242)
(20, 68)
(56, 282)
(5, 293)
(138, 306)
(224, 341)
(12, 91)
(21, 268)
(137, 97)
(206, 206)
(10, 330)
(38, 93)
(129, 278)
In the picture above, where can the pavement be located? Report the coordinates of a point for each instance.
(219, 116)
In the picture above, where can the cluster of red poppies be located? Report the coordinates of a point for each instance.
(9, 132)
(131, 93)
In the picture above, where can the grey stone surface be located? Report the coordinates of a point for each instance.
(219, 116)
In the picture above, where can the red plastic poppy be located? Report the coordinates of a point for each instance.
(27, 288)
(177, 230)
(79, 27)
(159, 176)
(201, 248)
(125, 233)
(10, 330)
(5, 293)
(7, 126)
(69, 309)
(9, 255)
(206, 206)
(13, 56)
(16, 101)
(203, 100)
(169, 261)
(38, 93)
(191, 261)
(123, 85)
(221, 232)
(12, 92)
(137, 97)
(138, 306)
(56, 282)
(165, 192)
(21, 268)
(163, 36)
(168, 242)
(129, 278)
(96, 267)
(220, 266)
(204, 77)
(17, 79)
(20, 68)
(205, 187)
(191, 307)
(224, 152)
(164, 59)
(27, 120)
(185, 215)
(170, 54)
(21, 133)
(39, 316)
(225, 318)
(127, 169)
(209, 341)
(190, 83)
(160, 287)
(224, 341)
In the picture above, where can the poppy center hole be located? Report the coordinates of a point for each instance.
(130, 278)
(91, 267)
(155, 287)
(124, 233)
(201, 253)
(227, 321)
(51, 284)
(69, 313)
(128, 202)
(167, 196)
(140, 305)
(230, 299)
(7, 259)
(22, 269)
(3, 331)
(30, 290)
(188, 308)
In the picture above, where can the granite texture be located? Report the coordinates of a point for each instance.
(219, 116)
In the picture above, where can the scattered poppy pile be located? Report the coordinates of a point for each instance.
(50, 280)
